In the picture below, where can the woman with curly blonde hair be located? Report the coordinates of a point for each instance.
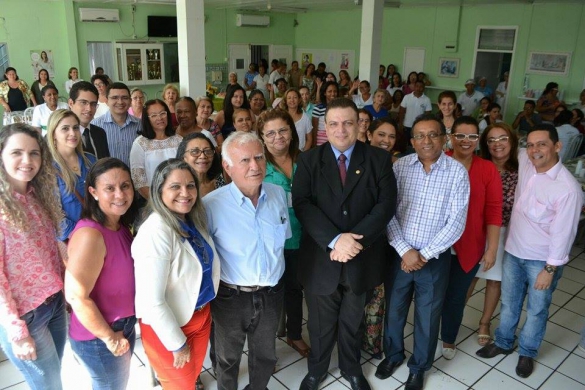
(33, 321)
(170, 94)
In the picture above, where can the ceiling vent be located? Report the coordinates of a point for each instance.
(99, 15)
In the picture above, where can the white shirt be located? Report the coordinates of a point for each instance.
(360, 102)
(304, 126)
(565, 133)
(41, 115)
(470, 103)
(414, 106)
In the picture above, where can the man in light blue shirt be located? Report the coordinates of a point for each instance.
(248, 221)
(121, 128)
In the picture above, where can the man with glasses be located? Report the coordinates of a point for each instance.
(433, 194)
(248, 221)
(120, 127)
(540, 236)
(83, 99)
(344, 194)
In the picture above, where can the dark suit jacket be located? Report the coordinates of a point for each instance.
(325, 209)
(100, 141)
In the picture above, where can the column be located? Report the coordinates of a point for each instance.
(191, 47)
(370, 42)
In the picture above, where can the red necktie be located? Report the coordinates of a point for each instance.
(342, 168)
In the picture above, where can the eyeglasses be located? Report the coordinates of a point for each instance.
(85, 103)
(431, 136)
(461, 137)
(361, 120)
(97, 85)
(503, 139)
(196, 152)
(161, 114)
(281, 133)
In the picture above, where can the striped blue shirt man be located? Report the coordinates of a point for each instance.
(120, 138)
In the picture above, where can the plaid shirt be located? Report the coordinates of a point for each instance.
(432, 207)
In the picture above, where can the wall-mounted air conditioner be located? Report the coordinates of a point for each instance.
(99, 15)
(243, 20)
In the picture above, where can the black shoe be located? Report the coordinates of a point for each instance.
(415, 381)
(491, 350)
(357, 382)
(311, 382)
(386, 368)
(525, 366)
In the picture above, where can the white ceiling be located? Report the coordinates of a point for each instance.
(321, 5)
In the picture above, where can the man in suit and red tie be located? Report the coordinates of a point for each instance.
(344, 194)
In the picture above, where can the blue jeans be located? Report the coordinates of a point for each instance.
(47, 325)
(518, 277)
(428, 286)
(107, 371)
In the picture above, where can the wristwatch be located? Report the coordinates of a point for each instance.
(551, 269)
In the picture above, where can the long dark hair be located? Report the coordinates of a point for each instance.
(512, 163)
(228, 108)
(323, 89)
(91, 207)
(215, 168)
(147, 129)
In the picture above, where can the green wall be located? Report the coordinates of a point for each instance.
(541, 27)
(55, 25)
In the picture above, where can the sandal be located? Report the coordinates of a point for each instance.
(304, 352)
(484, 339)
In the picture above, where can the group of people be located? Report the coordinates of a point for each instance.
(155, 214)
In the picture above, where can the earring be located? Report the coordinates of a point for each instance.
(96, 198)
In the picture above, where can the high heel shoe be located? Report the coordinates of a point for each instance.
(484, 339)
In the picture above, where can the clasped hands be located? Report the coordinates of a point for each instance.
(346, 247)
(412, 261)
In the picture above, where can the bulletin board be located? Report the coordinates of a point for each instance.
(335, 60)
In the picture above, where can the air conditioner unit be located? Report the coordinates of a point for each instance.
(243, 20)
(99, 15)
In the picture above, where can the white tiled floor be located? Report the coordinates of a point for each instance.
(560, 364)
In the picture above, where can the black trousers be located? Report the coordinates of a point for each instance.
(337, 317)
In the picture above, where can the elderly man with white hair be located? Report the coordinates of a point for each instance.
(248, 220)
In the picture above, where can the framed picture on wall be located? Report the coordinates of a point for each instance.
(549, 63)
(449, 67)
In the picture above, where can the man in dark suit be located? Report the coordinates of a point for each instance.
(344, 195)
(83, 99)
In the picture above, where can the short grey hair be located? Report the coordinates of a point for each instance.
(238, 138)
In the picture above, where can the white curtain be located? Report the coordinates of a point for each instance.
(101, 54)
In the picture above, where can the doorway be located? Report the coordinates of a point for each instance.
(494, 51)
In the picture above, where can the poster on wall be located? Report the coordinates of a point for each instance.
(307, 59)
(42, 59)
(344, 61)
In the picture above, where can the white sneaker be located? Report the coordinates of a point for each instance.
(449, 353)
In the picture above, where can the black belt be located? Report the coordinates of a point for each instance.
(51, 298)
(244, 288)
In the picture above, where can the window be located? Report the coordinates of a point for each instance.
(3, 58)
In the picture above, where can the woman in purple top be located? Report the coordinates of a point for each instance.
(99, 280)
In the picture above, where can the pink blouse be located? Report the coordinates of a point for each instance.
(30, 266)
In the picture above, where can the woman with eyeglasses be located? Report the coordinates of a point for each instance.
(177, 275)
(137, 104)
(157, 142)
(199, 153)
(205, 108)
(498, 144)
(484, 218)
(277, 130)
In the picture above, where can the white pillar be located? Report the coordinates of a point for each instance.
(370, 42)
(191, 47)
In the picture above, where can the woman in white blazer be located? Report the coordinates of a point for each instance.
(177, 275)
